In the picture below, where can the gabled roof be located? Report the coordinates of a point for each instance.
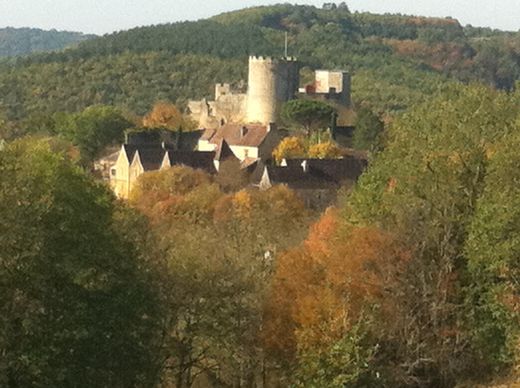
(179, 140)
(150, 157)
(348, 168)
(296, 178)
(194, 159)
(249, 162)
(186, 140)
(129, 150)
(223, 151)
(246, 135)
(149, 137)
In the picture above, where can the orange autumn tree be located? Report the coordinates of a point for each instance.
(218, 249)
(173, 193)
(168, 116)
(322, 288)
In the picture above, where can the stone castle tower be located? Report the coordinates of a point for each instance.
(271, 82)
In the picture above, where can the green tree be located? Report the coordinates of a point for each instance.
(492, 249)
(426, 185)
(76, 307)
(219, 250)
(369, 129)
(309, 114)
(93, 129)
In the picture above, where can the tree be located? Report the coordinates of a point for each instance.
(493, 295)
(219, 250)
(327, 150)
(309, 114)
(322, 295)
(426, 185)
(93, 129)
(77, 307)
(231, 176)
(8, 129)
(290, 147)
(168, 116)
(368, 132)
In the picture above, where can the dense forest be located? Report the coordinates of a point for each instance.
(396, 60)
(411, 279)
(24, 41)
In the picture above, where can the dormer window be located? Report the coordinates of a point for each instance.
(243, 131)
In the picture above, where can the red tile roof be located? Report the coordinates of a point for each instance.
(248, 135)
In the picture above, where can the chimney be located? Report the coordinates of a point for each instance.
(305, 166)
(243, 131)
(271, 127)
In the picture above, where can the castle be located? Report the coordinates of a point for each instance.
(240, 129)
(271, 83)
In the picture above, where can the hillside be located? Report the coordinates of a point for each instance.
(396, 60)
(23, 41)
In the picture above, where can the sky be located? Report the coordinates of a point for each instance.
(105, 16)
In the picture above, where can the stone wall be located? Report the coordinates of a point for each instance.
(271, 82)
(226, 108)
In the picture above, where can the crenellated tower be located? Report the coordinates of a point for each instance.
(271, 82)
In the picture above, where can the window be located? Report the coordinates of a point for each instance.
(113, 172)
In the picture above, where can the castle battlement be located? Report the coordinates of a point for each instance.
(271, 60)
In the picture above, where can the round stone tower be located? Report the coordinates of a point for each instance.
(271, 82)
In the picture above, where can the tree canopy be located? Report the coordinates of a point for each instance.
(432, 298)
(76, 309)
(307, 114)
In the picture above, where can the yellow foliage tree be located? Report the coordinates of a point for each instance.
(290, 147)
(163, 192)
(326, 150)
(168, 116)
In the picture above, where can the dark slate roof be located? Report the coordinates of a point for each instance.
(348, 168)
(179, 140)
(187, 141)
(194, 159)
(223, 151)
(296, 178)
(151, 157)
(150, 137)
(256, 171)
(130, 151)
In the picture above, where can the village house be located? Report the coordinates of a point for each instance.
(316, 181)
(151, 151)
(249, 142)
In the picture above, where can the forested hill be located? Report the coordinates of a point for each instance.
(23, 41)
(396, 60)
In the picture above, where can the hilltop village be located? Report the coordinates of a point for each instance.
(238, 132)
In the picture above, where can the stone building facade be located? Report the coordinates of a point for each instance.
(271, 82)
